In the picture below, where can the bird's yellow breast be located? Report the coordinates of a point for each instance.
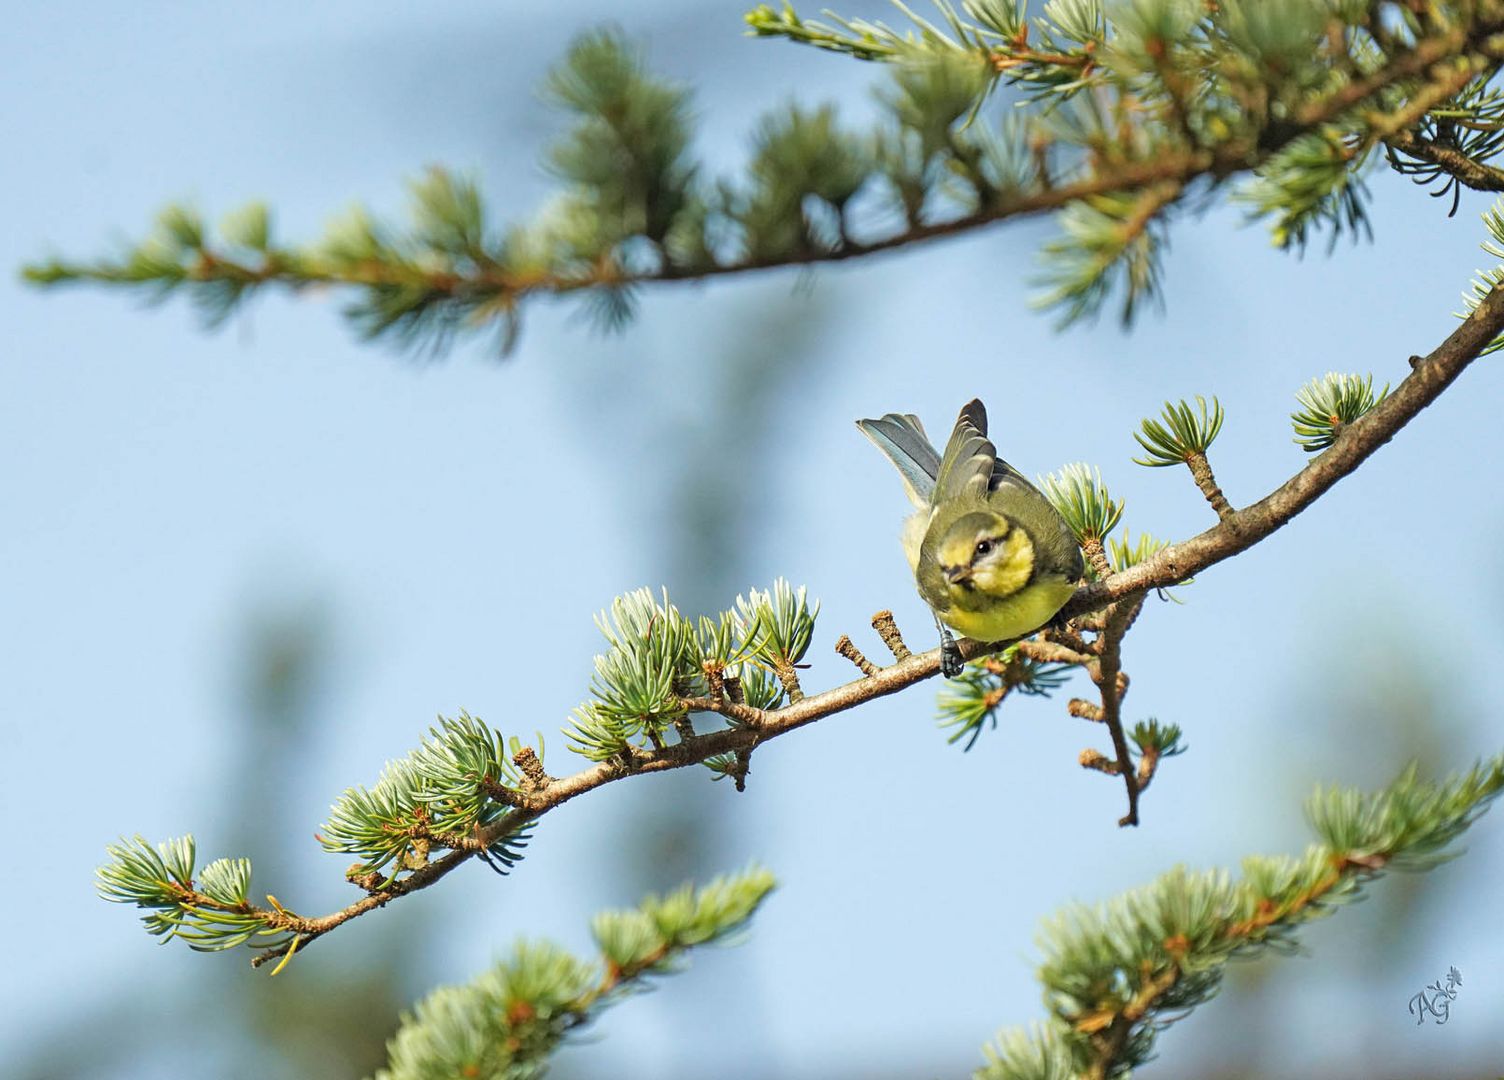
(1012, 616)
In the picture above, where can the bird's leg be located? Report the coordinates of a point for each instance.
(951, 664)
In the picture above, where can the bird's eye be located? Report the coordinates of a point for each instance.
(984, 547)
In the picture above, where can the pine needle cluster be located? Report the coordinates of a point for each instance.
(1329, 404)
(441, 795)
(657, 660)
(1117, 974)
(505, 1024)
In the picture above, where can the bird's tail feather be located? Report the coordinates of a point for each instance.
(902, 440)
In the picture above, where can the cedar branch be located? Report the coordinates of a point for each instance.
(1428, 378)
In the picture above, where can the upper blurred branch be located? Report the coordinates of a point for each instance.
(1125, 118)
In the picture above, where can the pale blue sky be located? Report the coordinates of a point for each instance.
(157, 482)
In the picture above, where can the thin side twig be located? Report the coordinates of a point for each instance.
(1106, 673)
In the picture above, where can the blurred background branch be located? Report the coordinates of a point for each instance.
(1124, 111)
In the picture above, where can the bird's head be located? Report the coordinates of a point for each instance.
(983, 552)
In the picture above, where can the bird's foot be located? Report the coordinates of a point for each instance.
(951, 664)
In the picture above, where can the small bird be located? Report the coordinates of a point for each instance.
(992, 558)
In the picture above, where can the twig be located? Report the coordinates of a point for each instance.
(1106, 672)
(1448, 159)
(1049, 652)
(1096, 555)
(1063, 635)
(784, 672)
(527, 761)
(1147, 764)
(846, 648)
(887, 629)
(1095, 759)
(1201, 472)
(1082, 709)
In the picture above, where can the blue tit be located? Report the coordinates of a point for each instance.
(992, 558)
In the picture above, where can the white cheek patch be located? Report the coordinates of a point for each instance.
(1012, 570)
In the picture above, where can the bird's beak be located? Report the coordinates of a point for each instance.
(956, 575)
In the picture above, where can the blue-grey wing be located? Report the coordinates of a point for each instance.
(967, 467)
(971, 468)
